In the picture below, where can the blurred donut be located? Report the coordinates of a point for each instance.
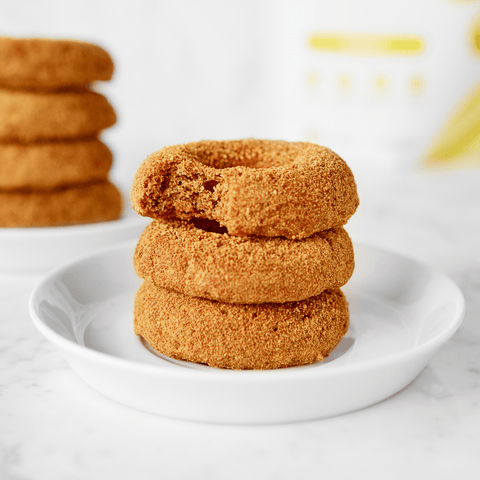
(238, 336)
(252, 187)
(37, 63)
(47, 165)
(36, 116)
(91, 203)
(194, 259)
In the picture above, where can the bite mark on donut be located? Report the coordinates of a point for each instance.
(179, 192)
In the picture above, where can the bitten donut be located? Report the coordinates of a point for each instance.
(200, 262)
(252, 187)
(36, 63)
(48, 165)
(238, 336)
(91, 203)
(36, 116)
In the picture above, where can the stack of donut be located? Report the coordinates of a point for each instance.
(246, 253)
(53, 168)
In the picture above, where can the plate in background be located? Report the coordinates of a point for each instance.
(37, 250)
(402, 312)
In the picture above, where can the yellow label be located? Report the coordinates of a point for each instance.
(367, 44)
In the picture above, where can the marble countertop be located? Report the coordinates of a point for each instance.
(53, 426)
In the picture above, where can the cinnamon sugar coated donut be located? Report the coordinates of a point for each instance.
(177, 255)
(238, 336)
(252, 187)
(90, 203)
(52, 164)
(37, 63)
(35, 116)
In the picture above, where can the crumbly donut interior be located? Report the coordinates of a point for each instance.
(180, 193)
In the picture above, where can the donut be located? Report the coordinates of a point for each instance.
(36, 63)
(238, 336)
(90, 203)
(36, 116)
(252, 187)
(192, 258)
(47, 165)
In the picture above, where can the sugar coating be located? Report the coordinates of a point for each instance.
(35, 116)
(238, 336)
(252, 187)
(177, 255)
(37, 63)
(90, 203)
(45, 165)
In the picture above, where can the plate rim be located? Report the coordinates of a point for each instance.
(240, 375)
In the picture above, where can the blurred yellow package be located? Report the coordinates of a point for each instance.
(386, 84)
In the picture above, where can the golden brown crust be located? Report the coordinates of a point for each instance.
(36, 116)
(48, 165)
(238, 336)
(177, 255)
(252, 187)
(90, 203)
(37, 63)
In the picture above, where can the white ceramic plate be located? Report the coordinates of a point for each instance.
(37, 250)
(401, 314)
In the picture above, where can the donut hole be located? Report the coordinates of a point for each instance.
(255, 154)
(208, 225)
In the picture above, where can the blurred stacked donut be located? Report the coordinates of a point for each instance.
(54, 170)
(245, 256)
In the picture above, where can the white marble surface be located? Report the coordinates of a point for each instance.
(52, 426)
